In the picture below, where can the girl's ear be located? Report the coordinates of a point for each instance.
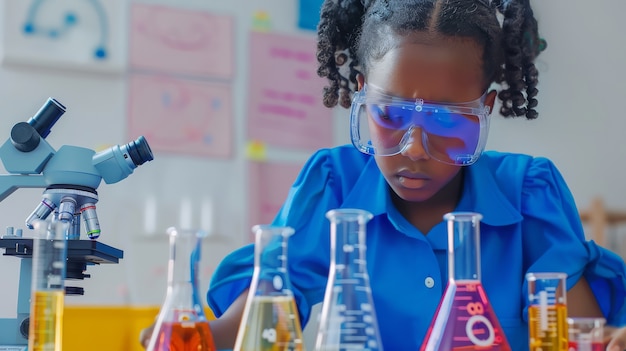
(490, 99)
(360, 80)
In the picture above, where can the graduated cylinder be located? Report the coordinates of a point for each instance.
(45, 329)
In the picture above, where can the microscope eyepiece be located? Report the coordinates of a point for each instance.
(139, 151)
(47, 116)
(24, 137)
(118, 161)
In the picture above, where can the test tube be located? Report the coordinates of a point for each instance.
(47, 288)
(586, 333)
(547, 311)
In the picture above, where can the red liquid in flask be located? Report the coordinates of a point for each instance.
(596, 346)
(185, 336)
(465, 321)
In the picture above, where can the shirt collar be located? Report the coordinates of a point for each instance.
(370, 192)
(481, 193)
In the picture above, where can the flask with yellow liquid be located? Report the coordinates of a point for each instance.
(270, 319)
(45, 328)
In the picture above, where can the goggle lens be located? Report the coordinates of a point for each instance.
(450, 134)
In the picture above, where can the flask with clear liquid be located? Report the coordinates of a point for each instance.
(270, 319)
(465, 319)
(45, 328)
(348, 320)
(181, 324)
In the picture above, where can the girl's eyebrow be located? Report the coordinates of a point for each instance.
(383, 93)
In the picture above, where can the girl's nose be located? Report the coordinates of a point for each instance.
(414, 148)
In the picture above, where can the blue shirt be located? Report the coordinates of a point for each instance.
(530, 224)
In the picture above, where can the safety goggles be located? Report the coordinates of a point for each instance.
(385, 125)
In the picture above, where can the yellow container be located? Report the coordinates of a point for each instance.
(106, 328)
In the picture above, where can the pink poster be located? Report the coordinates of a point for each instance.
(181, 116)
(181, 41)
(269, 185)
(285, 93)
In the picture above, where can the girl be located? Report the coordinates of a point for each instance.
(417, 75)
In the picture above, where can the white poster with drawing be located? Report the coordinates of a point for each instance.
(67, 34)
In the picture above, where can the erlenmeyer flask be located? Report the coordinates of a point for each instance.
(464, 319)
(348, 320)
(181, 324)
(270, 319)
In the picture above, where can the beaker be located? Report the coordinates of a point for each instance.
(348, 320)
(547, 311)
(45, 327)
(586, 333)
(181, 324)
(464, 319)
(270, 319)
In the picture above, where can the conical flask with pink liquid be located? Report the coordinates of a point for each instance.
(465, 319)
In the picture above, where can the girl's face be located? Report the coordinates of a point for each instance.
(447, 70)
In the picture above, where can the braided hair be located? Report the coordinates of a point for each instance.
(354, 33)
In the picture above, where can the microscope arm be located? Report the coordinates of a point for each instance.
(10, 183)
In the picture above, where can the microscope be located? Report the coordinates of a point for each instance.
(70, 177)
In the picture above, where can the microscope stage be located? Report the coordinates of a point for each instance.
(88, 251)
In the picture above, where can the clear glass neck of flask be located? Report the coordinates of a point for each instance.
(347, 238)
(270, 259)
(183, 269)
(185, 248)
(463, 245)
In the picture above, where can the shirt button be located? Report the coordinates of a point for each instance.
(429, 282)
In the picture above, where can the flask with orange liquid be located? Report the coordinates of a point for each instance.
(181, 324)
(465, 319)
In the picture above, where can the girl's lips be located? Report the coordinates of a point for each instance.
(413, 175)
(412, 180)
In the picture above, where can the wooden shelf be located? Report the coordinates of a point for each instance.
(599, 219)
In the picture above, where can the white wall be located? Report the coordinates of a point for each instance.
(582, 84)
